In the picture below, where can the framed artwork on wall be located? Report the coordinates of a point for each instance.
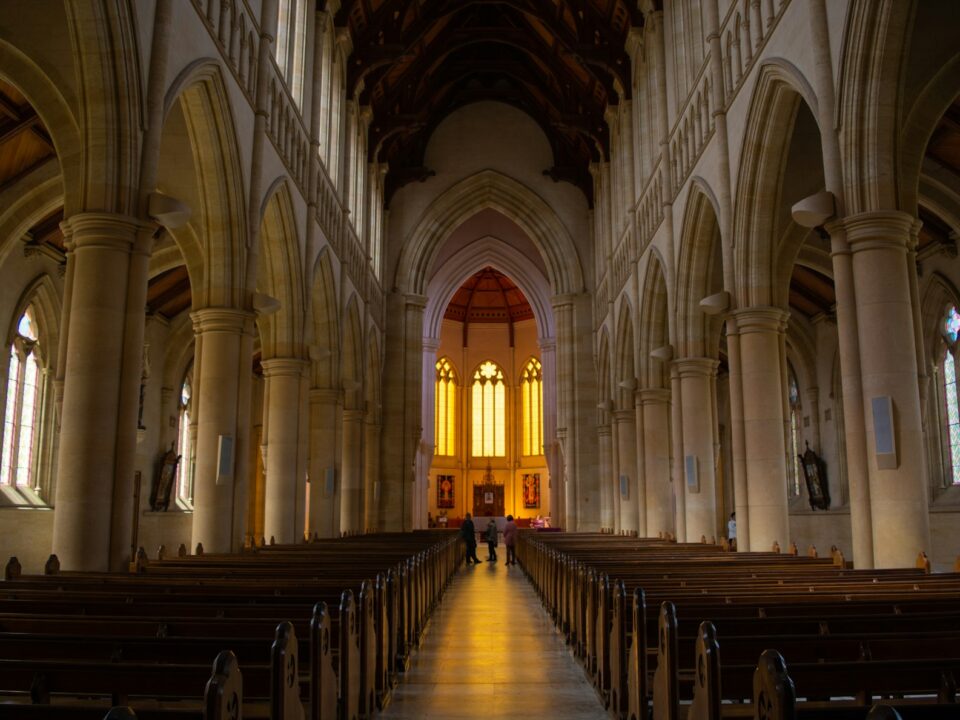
(445, 491)
(531, 490)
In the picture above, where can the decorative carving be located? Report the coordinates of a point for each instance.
(815, 474)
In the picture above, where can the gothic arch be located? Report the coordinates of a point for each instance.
(221, 223)
(488, 251)
(938, 293)
(603, 377)
(21, 208)
(281, 276)
(489, 189)
(42, 295)
(325, 323)
(773, 109)
(654, 326)
(870, 66)
(918, 127)
(697, 333)
(625, 358)
(351, 368)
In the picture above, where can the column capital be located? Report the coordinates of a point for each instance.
(761, 319)
(290, 367)
(108, 231)
(604, 430)
(694, 366)
(653, 396)
(880, 229)
(548, 344)
(324, 396)
(563, 300)
(625, 415)
(431, 344)
(222, 319)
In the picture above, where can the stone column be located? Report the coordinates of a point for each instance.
(677, 498)
(371, 471)
(324, 499)
(879, 242)
(699, 439)
(640, 500)
(606, 476)
(101, 369)
(351, 489)
(655, 406)
(219, 365)
(760, 330)
(626, 423)
(548, 357)
(563, 310)
(283, 503)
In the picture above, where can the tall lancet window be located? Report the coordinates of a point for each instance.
(795, 448)
(185, 441)
(21, 408)
(489, 397)
(531, 396)
(445, 409)
(951, 327)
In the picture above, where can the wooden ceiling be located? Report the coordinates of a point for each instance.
(560, 61)
(169, 292)
(24, 142)
(488, 297)
(811, 292)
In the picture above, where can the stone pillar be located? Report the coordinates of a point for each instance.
(655, 406)
(219, 366)
(626, 424)
(606, 476)
(697, 377)
(760, 330)
(101, 369)
(324, 497)
(879, 242)
(677, 498)
(283, 503)
(548, 357)
(640, 500)
(351, 489)
(563, 310)
(371, 471)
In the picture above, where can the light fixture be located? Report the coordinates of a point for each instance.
(664, 353)
(814, 210)
(265, 304)
(716, 304)
(168, 211)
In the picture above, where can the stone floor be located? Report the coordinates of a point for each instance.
(490, 651)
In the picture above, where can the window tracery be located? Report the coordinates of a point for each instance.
(22, 405)
(489, 411)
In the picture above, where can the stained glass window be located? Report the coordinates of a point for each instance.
(489, 411)
(185, 441)
(21, 404)
(953, 415)
(795, 450)
(445, 409)
(531, 394)
(951, 325)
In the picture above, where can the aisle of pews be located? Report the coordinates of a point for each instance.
(651, 620)
(315, 631)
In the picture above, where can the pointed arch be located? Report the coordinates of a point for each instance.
(281, 276)
(42, 295)
(221, 222)
(489, 189)
(654, 325)
(325, 324)
(604, 377)
(938, 294)
(625, 366)
(780, 89)
(700, 240)
(351, 367)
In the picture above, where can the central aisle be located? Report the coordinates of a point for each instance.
(490, 651)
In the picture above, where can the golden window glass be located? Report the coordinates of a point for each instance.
(445, 409)
(531, 396)
(489, 411)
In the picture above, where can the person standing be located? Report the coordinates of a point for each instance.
(510, 532)
(732, 531)
(491, 537)
(469, 534)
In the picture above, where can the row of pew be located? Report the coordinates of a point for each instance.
(651, 619)
(312, 631)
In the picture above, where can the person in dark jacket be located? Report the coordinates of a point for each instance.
(510, 532)
(491, 537)
(469, 535)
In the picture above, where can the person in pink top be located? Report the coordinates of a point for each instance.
(510, 540)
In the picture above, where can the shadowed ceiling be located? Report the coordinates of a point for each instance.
(563, 62)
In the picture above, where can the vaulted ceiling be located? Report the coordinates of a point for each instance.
(561, 61)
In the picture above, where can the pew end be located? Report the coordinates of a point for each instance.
(13, 569)
(792, 550)
(706, 682)
(223, 696)
(774, 695)
(923, 562)
(285, 675)
(52, 566)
